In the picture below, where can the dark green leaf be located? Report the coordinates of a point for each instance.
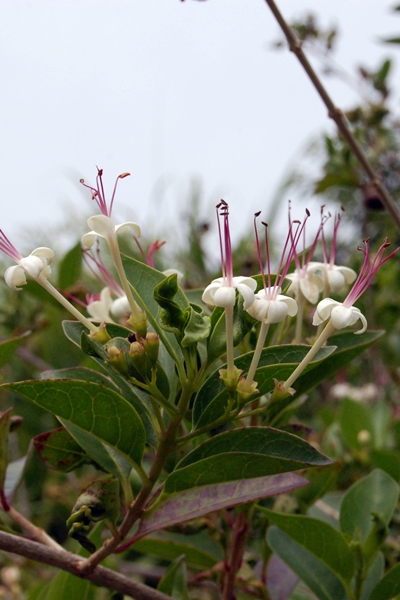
(389, 585)
(4, 434)
(276, 362)
(353, 418)
(322, 581)
(243, 454)
(174, 581)
(92, 407)
(321, 539)
(59, 450)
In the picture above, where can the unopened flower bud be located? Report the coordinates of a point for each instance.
(117, 358)
(151, 344)
(102, 336)
(245, 392)
(230, 382)
(137, 355)
(139, 323)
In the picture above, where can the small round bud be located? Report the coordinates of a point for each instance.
(151, 344)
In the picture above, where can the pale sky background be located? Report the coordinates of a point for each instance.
(167, 90)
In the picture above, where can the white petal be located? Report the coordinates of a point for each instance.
(208, 294)
(311, 286)
(277, 311)
(348, 274)
(102, 225)
(14, 277)
(90, 238)
(34, 265)
(99, 309)
(169, 272)
(43, 252)
(336, 280)
(249, 281)
(343, 316)
(259, 309)
(247, 293)
(224, 296)
(290, 303)
(324, 310)
(128, 225)
(120, 307)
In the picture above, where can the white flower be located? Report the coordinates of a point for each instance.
(219, 293)
(99, 310)
(37, 263)
(274, 309)
(120, 307)
(340, 315)
(103, 226)
(308, 282)
(337, 276)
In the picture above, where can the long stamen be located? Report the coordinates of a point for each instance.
(260, 260)
(122, 176)
(102, 274)
(8, 248)
(221, 247)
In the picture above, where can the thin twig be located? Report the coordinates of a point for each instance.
(69, 562)
(337, 115)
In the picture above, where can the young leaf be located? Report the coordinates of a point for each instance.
(319, 578)
(197, 502)
(375, 493)
(96, 409)
(243, 454)
(389, 585)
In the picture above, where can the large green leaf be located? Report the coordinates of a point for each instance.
(377, 493)
(374, 575)
(322, 580)
(243, 454)
(321, 539)
(143, 280)
(174, 580)
(171, 509)
(98, 410)
(276, 362)
(8, 347)
(389, 585)
(58, 449)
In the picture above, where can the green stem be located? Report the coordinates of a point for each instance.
(256, 356)
(56, 294)
(319, 342)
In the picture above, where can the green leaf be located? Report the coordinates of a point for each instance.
(96, 409)
(81, 373)
(8, 347)
(374, 574)
(321, 539)
(389, 585)
(70, 267)
(353, 418)
(174, 581)
(388, 461)
(105, 456)
(376, 493)
(243, 454)
(197, 502)
(319, 578)
(276, 362)
(59, 450)
(169, 546)
(143, 280)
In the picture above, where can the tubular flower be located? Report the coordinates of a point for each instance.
(222, 291)
(270, 306)
(36, 264)
(102, 225)
(99, 306)
(343, 314)
(335, 277)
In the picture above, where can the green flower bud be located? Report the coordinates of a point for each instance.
(117, 359)
(151, 344)
(139, 323)
(137, 355)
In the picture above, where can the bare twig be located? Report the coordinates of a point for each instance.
(337, 115)
(69, 562)
(39, 534)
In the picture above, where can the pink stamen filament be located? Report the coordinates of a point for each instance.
(225, 243)
(7, 247)
(99, 194)
(102, 274)
(368, 271)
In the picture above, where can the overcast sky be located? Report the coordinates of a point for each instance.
(167, 90)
